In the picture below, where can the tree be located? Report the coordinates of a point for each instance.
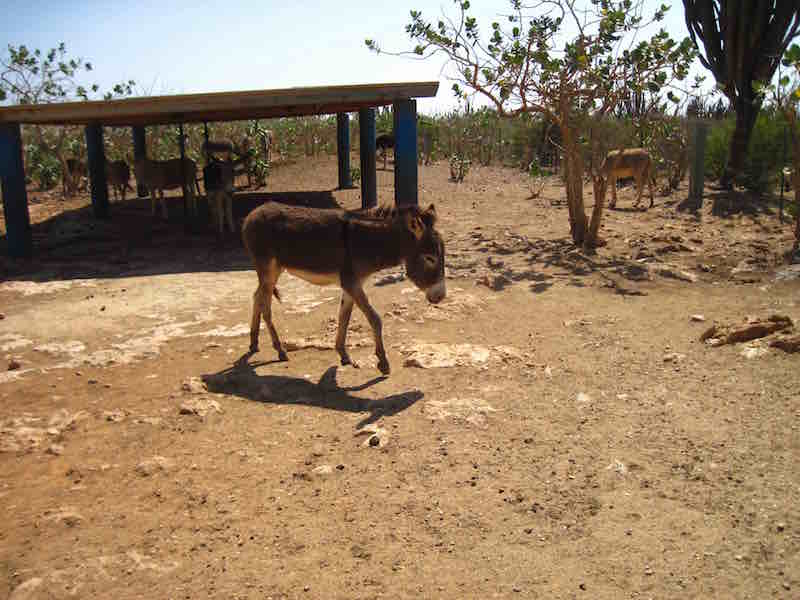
(34, 77)
(743, 43)
(570, 62)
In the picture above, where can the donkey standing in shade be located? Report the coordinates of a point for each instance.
(325, 246)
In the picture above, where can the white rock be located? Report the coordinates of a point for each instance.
(697, 318)
(153, 465)
(27, 589)
(323, 470)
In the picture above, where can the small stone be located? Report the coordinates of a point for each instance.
(583, 397)
(199, 406)
(548, 372)
(55, 449)
(194, 385)
(739, 557)
(648, 571)
(102, 308)
(114, 416)
(697, 318)
(306, 588)
(582, 586)
(780, 526)
(374, 440)
(92, 381)
(673, 357)
(528, 440)
(340, 467)
(153, 465)
(786, 586)
(13, 365)
(322, 470)
(2, 316)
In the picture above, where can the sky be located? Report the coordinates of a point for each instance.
(177, 46)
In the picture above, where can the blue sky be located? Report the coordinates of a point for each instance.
(177, 46)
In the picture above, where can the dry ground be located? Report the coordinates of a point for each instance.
(558, 433)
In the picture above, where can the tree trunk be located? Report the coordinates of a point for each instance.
(600, 186)
(746, 112)
(573, 170)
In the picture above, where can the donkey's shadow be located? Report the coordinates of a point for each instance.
(242, 380)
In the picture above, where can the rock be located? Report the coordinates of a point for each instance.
(787, 344)
(2, 316)
(673, 357)
(55, 449)
(322, 470)
(194, 385)
(548, 371)
(753, 351)
(153, 466)
(780, 526)
(717, 334)
(378, 436)
(115, 416)
(673, 272)
(199, 406)
(430, 356)
(697, 318)
(27, 589)
(583, 398)
(13, 365)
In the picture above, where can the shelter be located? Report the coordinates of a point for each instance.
(214, 107)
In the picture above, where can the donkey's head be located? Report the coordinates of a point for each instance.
(425, 263)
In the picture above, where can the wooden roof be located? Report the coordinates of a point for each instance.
(221, 106)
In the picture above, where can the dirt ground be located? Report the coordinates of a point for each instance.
(554, 429)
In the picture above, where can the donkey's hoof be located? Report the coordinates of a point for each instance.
(346, 360)
(383, 366)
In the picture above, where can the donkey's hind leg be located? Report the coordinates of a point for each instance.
(268, 273)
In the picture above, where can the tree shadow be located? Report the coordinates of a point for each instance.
(241, 379)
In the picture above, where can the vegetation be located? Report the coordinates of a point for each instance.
(534, 63)
(743, 43)
(36, 77)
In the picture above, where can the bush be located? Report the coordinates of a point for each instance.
(42, 166)
(765, 156)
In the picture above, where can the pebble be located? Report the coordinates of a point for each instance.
(780, 526)
(55, 449)
(13, 365)
(2, 316)
(697, 318)
(322, 470)
(374, 440)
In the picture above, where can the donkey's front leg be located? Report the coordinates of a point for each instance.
(360, 298)
(345, 310)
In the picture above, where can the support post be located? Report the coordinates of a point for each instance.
(96, 164)
(369, 187)
(15, 198)
(405, 152)
(343, 150)
(139, 151)
(697, 151)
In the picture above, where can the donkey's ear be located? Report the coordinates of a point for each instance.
(414, 224)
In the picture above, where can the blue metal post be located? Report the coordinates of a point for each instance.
(405, 152)
(369, 187)
(139, 151)
(343, 150)
(15, 197)
(96, 164)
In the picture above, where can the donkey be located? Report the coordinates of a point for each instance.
(325, 246)
(160, 175)
(118, 174)
(74, 177)
(631, 162)
(382, 143)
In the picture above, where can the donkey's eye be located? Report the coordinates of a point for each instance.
(430, 260)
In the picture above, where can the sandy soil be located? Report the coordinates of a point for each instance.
(554, 429)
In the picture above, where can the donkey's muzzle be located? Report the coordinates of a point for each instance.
(436, 292)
